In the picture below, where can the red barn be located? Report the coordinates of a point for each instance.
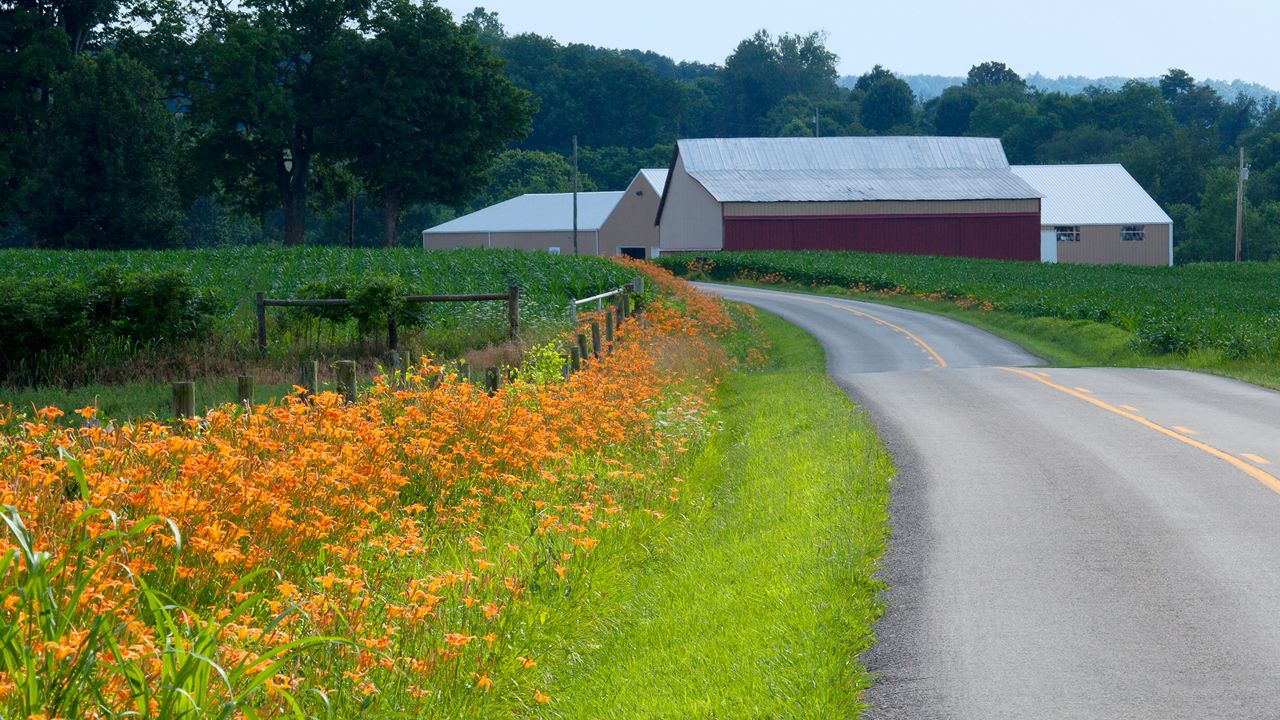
(915, 195)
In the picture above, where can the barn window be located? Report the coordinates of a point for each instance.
(1133, 233)
(1068, 233)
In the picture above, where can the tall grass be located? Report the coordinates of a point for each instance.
(1233, 310)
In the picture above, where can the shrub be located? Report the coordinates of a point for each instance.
(42, 317)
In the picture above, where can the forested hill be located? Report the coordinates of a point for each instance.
(927, 87)
(178, 123)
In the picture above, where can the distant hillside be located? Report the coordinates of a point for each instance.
(930, 86)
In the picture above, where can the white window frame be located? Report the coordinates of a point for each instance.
(1067, 233)
(1133, 233)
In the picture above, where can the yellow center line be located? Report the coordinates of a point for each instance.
(1267, 479)
(880, 321)
(1185, 430)
(1130, 408)
(1255, 458)
(923, 345)
(1086, 391)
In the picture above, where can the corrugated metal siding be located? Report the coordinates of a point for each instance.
(632, 222)
(879, 207)
(587, 241)
(1101, 245)
(1011, 236)
(690, 218)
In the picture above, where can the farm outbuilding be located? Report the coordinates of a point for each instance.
(609, 223)
(1099, 215)
(913, 195)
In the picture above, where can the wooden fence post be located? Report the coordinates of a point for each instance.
(617, 311)
(309, 376)
(395, 362)
(513, 309)
(244, 390)
(184, 399)
(624, 307)
(261, 299)
(491, 380)
(595, 337)
(346, 370)
(608, 330)
(582, 346)
(575, 358)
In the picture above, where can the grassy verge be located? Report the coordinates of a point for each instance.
(133, 400)
(1063, 343)
(758, 601)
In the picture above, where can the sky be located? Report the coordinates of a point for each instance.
(1223, 39)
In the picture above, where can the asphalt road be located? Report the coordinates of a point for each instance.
(1067, 543)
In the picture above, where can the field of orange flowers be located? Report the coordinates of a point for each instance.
(419, 553)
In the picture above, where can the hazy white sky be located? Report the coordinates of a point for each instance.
(1221, 39)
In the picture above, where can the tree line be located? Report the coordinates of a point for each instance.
(171, 121)
(117, 117)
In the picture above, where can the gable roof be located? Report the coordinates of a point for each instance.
(852, 169)
(1091, 195)
(657, 177)
(551, 212)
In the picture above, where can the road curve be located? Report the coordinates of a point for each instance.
(1067, 543)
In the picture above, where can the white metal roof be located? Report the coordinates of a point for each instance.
(551, 212)
(843, 153)
(1091, 195)
(852, 169)
(657, 177)
(858, 185)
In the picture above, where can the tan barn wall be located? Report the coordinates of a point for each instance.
(631, 224)
(691, 217)
(587, 241)
(1101, 245)
(881, 207)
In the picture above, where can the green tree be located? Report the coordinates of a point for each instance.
(993, 74)
(414, 136)
(520, 172)
(888, 103)
(763, 70)
(948, 114)
(614, 167)
(605, 97)
(256, 89)
(103, 169)
(33, 50)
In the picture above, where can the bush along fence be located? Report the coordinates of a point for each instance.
(511, 296)
(577, 352)
(595, 339)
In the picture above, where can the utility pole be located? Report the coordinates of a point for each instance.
(351, 221)
(575, 194)
(817, 122)
(1244, 175)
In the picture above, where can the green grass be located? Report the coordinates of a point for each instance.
(131, 382)
(1217, 318)
(134, 400)
(757, 601)
(1231, 309)
(1065, 343)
